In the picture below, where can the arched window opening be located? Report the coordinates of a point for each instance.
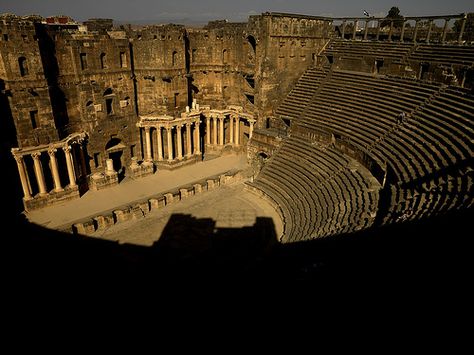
(225, 56)
(23, 66)
(174, 58)
(103, 62)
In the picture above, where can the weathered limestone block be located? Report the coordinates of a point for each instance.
(197, 188)
(210, 184)
(137, 212)
(156, 203)
(122, 215)
(100, 222)
(183, 193)
(145, 207)
(169, 198)
(85, 228)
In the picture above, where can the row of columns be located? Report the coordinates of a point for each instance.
(196, 139)
(39, 174)
(430, 25)
(234, 130)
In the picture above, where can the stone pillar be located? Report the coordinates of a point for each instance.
(180, 141)
(208, 130)
(415, 31)
(214, 131)
(109, 163)
(170, 143)
(70, 166)
(23, 177)
(378, 30)
(39, 173)
(148, 144)
(231, 126)
(54, 170)
(343, 29)
(252, 122)
(197, 140)
(221, 130)
(403, 31)
(430, 26)
(83, 161)
(159, 140)
(355, 29)
(390, 32)
(237, 130)
(461, 32)
(366, 29)
(188, 139)
(445, 30)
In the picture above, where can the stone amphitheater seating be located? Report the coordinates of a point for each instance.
(428, 157)
(394, 50)
(318, 192)
(445, 54)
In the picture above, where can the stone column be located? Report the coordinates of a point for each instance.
(148, 144)
(39, 173)
(366, 29)
(355, 29)
(208, 130)
(343, 29)
(231, 126)
(159, 140)
(221, 130)
(188, 139)
(390, 32)
(403, 31)
(180, 141)
(70, 166)
(214, 130)
(430, 26)
(237, 130)
(461, 32)
(83, 161)
(378, 30)
(170, 143)
(445, 30)
(54, 170)
(415, 31)
(23, 177)
(197, 144)
(252, 122)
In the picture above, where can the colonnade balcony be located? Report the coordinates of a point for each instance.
(50, 172)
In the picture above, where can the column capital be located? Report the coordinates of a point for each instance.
(18, 158)
(36, 155)
(67, 148)
(52, 151)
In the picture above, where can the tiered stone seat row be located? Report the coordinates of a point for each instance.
(302, 93)
(364, 48)
(318, 191)
(447, 54)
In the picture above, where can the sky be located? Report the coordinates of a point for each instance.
(233, 10)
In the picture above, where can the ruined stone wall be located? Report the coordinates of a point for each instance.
(286, 46)
(160, 56)
(221, 64)
(23, 84)
(96, 88)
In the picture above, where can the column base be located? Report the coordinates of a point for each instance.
(53, 198)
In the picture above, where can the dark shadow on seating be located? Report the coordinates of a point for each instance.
(192, 249)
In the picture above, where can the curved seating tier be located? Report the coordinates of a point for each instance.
(321, 192)
(444, 54)
(360, 49)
